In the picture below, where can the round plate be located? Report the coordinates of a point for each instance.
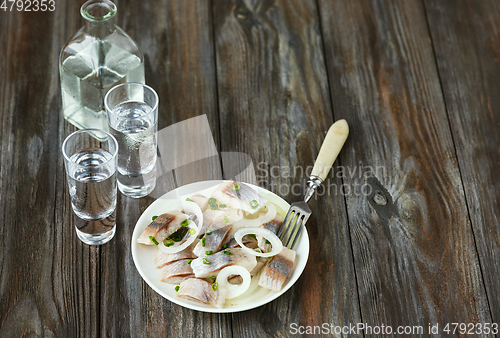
(143, 255)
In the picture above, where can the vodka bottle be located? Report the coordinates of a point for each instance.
(100, 56)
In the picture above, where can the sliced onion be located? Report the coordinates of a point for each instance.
(253, 286)
(194, 208)
(249, 298)
(256, 222)
(254, 292)
(267, 234)
(235, 213)
(234, 290)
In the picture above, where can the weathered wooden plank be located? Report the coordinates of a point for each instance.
(465, 36)
(177, 43)
(414, 251)
(49, 280)
(275, 108)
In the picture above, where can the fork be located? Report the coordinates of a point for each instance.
(299, 212)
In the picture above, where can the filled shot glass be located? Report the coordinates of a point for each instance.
(132, 110)
(90, 159)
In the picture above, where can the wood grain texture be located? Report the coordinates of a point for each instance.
(426, 125)
(179, 60)
(414, 251)
(466, 41)
(275, 108)
(49, 280)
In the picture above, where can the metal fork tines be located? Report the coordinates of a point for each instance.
(293, 223)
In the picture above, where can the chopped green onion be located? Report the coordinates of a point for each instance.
(226, 252)
(215, 286)
(209, 252)
(185, 223)
(206, 261)
(267, 242)
(169, 243)
(222, 205)
(208, 232)
(251, 235)
(212, 279)
(192, 231)
(225, 220)
(203, 241)
(154, 217)
(211, 200)
(224, 246)
(153, 240)
(254, 204)
(189, 200)
(236, 187)
(176, 237)
(256, 250)
(214, 206)
(189, 261)
(177, 288)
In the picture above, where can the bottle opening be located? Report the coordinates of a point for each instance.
(98, 10)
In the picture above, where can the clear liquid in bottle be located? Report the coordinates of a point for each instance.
(99, 57)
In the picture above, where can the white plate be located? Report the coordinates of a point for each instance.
(143, 255)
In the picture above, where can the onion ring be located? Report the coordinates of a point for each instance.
(195, 209)
(276, 244)
(253, 286)
(232, 289)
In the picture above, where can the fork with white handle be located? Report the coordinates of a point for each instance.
(299, 212)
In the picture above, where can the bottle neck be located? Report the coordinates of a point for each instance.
(100, 28)
(99, 17)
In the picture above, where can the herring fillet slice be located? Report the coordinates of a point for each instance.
(163, 258)
(276, 271)
(162, 227)
(273, 226)
(200, 290)
(238, 195)
(220, 218)
(211, 217)
(204, 267)
(213, 242)
(176, 272)
(248, 241)
(201, 200)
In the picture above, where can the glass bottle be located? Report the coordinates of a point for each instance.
(99, 57)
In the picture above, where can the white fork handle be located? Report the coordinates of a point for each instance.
(330, 149)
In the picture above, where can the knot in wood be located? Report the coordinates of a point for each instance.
(379, 198)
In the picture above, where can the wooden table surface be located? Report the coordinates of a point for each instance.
(417, 81)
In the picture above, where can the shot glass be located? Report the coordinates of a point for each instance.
(90, 158)
(132, 110)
